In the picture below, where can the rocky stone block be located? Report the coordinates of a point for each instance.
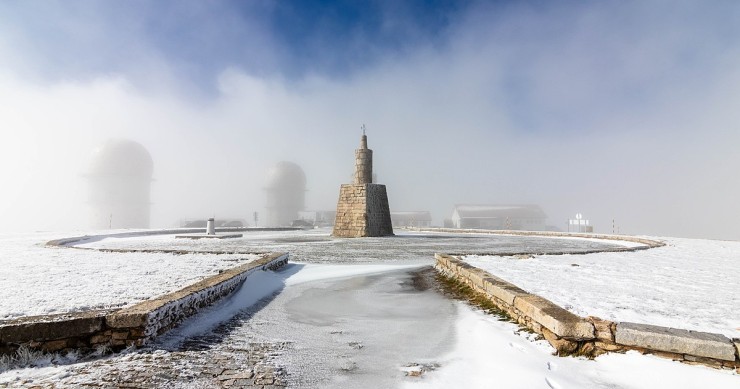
(128, 318)
(51, 327)
(608, 346)
(556, 319)
(702, 344)
(54, 345)
(503, 290)
(562, 346)
(98, 339)
(603, 328)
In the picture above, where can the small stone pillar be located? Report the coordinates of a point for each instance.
(210, 227)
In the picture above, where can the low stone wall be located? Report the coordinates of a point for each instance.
(132, 326)
(591, 336)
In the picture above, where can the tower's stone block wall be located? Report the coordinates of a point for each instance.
(378, 211)
(362, 211)
(363, 166)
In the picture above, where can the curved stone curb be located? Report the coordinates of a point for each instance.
(571, 334)
(648, 243)
(135, 325)
(528, 309)
(66, 242)
(700, 344)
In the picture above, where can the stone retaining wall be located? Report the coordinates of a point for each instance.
(132, 326)
(592, 336)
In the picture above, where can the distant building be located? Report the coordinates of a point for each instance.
(526, 217)
(120, 178)
(286, 194)
(411, 219)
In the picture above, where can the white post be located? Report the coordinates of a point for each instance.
(210, 227)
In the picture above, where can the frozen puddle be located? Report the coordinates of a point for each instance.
(382, 326)
(355, 332)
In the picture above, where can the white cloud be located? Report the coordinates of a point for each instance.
(613, 115)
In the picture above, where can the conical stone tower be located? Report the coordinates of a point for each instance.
(363, 208)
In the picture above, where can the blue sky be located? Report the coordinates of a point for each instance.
(199, 39)
(621, 110)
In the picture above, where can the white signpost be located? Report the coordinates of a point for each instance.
(581, 223)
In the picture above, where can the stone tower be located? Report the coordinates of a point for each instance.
(363, 208)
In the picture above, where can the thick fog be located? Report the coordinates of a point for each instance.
(624, 111)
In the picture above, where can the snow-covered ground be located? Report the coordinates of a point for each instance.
(492, 354)
(689, 283)
(39, 280)
(359, 326)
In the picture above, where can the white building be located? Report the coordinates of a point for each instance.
(528, 217)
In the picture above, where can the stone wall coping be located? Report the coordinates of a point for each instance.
(715, 349)
(52, 327)
(131, 325)
(556, 319)
(503, 290)
(140, 314)
(702, 344)
(548, 314)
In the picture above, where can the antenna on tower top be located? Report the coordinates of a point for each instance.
(363, 129)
